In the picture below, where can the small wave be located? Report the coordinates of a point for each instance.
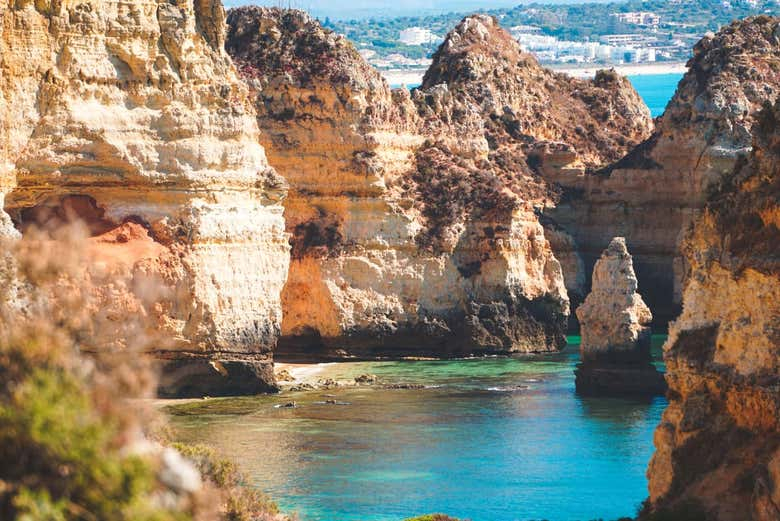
(508, 388)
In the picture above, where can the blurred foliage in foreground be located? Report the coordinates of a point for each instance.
(76, 443)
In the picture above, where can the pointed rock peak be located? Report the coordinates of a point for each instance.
(477, 47)
(617, 247)
(615, 332)
(614, 271)
(732, 73)
(614, 315)
(269, 42)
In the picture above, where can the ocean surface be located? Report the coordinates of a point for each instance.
(492, 439)
(656, 90)
(363, 9)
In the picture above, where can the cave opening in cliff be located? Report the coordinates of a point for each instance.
(58, 212)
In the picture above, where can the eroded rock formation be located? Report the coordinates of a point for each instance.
(415, 218)
(129, 117)
(652, 194)
(719, 440)
(614, 326)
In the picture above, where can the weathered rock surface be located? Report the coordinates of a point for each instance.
(614, 318)
(719, 440)
(652, 194)
(415, 219)
(614, 326)
(129, 116)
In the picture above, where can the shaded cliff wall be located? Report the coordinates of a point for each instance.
(652, 194)
(414, 218)
(129, 116)
(719, 440)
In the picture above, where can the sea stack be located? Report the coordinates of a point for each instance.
(615, 348)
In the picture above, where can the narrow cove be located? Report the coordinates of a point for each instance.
(486, 439)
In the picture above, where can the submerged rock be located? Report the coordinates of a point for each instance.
(366, 379)
(615, 348)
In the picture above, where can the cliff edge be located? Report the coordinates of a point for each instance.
(719, 440)
(129, 118)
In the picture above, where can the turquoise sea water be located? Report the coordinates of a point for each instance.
(493, 439)
(656, 89)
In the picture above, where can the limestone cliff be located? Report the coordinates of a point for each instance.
(414, 218)
(614, 317)
(614, 327)
(719, 440)
(652, 194)
(129, 116)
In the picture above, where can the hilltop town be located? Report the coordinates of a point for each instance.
(611, 34)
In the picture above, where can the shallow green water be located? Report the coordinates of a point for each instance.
(489, 439)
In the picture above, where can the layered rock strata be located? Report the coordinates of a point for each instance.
(415, 218)
(718, 444)
(614, 321)
(129, 118)
(652, 194)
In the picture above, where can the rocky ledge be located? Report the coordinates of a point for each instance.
(614, 321)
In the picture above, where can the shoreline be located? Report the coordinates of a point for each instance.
(396, 77)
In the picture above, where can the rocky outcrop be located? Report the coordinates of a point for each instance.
(719, 440)
(129, 117)
(415, 218)
(652, 194)
(614, 321)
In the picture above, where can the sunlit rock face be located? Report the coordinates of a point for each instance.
(614, 318)
(415, 217)
(652, 194)
(131, 112)
(614, 327)
(719, 440)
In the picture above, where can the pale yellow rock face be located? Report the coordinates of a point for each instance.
(655, 192)
(359, 277)
(136, 105)
(718, 440)
(613, 317)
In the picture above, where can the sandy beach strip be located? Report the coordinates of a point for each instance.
(635, 69)
(301, 372)
(413, 77)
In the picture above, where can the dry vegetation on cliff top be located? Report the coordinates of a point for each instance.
(75, 443)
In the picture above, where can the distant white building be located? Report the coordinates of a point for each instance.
(627, 40)
(517, 30)
(631, 55)
(418, 36)
(639, 18)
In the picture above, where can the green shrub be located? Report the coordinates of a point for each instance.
(75, 441)
(242, 503)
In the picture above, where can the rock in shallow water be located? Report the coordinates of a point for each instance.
(614, 320)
